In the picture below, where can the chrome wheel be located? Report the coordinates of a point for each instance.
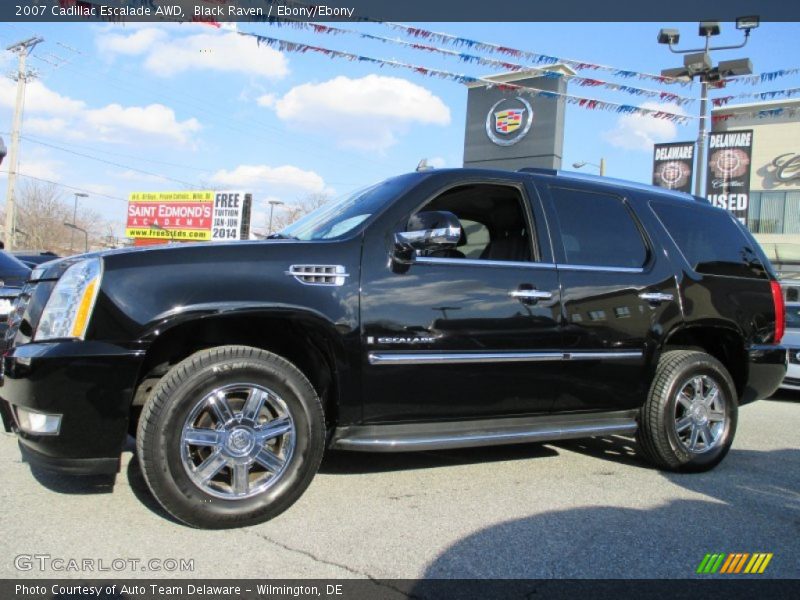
(237, 441)
(700, 414)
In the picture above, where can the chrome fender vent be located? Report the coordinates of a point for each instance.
(319, 274)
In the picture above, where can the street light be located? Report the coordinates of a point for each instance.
(85, 234)
(601, 167)
(697, 63)
(272, 205)
(75, 216)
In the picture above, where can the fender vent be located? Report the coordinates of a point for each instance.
(319, 274)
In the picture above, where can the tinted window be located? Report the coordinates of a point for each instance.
(598, 230)
(710, 240)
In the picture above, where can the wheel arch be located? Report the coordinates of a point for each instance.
(302, 337)
(721, 340)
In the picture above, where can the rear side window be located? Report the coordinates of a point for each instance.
(598, 230)
(710, 240)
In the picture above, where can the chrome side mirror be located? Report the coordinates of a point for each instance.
(429, 230)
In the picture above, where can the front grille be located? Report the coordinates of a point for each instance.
(18, 312)
(794, 356)
(791, 381)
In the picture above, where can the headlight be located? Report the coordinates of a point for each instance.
(67, 312)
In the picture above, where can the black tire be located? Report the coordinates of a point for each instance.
(163, 453)
(662, 416)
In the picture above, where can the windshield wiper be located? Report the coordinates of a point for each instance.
(281, 236)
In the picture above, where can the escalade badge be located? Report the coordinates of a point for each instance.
(509, 120)
(401, 340)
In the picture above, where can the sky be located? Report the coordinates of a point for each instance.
(119, 108)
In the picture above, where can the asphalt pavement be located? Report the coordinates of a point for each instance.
(588, 508)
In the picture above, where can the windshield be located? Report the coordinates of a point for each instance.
(793, 316)
(339, 218)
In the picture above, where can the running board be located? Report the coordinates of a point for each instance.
(491, 432)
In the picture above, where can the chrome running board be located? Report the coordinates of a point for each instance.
(491, 432)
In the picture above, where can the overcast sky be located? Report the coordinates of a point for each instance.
(192, 105)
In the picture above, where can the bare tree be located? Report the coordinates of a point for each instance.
(41, 214)
(290, 213)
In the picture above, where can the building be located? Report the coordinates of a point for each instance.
(773, 213)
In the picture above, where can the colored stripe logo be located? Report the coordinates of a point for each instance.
(734, 563)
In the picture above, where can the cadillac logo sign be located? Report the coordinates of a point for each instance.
(509, 120)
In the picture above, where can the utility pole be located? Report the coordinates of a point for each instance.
(22, 50)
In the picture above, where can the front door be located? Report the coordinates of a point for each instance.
(467, 332)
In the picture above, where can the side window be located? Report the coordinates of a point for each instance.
(493, 222)
(710, 240)
(598, 229)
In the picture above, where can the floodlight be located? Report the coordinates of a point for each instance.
(709, 28)
(669, 36)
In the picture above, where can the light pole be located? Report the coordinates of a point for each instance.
(697, 63)
(85, 234)
(272, 205)
(601, 167)
(75, 216)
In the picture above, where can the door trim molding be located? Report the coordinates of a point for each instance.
(456, 358)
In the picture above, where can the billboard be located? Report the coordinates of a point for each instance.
(188, 216)
(728, 180)
(673, 166)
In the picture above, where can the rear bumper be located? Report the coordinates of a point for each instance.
(90, 384)
(767, 368)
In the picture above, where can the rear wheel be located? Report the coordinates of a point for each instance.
(230, 437)
(689, 419)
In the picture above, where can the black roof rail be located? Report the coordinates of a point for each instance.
(540, 170)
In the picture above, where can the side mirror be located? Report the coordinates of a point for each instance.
(429, 230)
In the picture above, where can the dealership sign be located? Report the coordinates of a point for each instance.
(673, 166)
(728, 181)
(509, 120)
(188, 216)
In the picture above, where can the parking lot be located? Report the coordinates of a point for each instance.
(588, 508)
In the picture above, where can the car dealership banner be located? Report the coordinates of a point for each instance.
(673, 166)
(728, 179)
(188, 216)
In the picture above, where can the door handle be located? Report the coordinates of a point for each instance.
(530, 295)
(655, 297)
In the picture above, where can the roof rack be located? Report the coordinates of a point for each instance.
(541, 170)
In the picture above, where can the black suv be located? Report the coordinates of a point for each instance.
(433, 310)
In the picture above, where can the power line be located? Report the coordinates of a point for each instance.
(69, 187)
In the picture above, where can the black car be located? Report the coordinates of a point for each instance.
(33, 259)
(438, 309)
(13, 275)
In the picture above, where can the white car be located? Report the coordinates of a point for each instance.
(791, 339)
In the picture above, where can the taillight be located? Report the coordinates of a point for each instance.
(780, 312)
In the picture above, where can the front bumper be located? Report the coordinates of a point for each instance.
(792, 379)
(91, 384)
(766, 370)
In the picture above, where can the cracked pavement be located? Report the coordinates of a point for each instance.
(586, 508)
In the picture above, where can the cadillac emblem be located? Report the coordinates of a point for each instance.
(509, 120)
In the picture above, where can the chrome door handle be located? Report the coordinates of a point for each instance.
(655, 297)
(530, 295)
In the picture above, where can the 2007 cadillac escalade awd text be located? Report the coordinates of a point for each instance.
(437, 309)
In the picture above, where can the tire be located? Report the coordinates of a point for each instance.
(674, 411)
(230, 437)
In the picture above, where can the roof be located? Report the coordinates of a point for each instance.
(514, 76)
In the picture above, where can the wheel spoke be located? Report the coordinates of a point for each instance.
(202, 437)
(210, 467)
(716, 416)
(273, 429)
(254, 404)
(684, 400)
(697, 384)
(708, 437)
(712, 396)
(222, 410)
(241, 479)
(269, 460)
(683, 424)
(693, 438)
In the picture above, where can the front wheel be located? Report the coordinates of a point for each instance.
(689, 419)
(230, 437)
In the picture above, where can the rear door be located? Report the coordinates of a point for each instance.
(617, 291)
